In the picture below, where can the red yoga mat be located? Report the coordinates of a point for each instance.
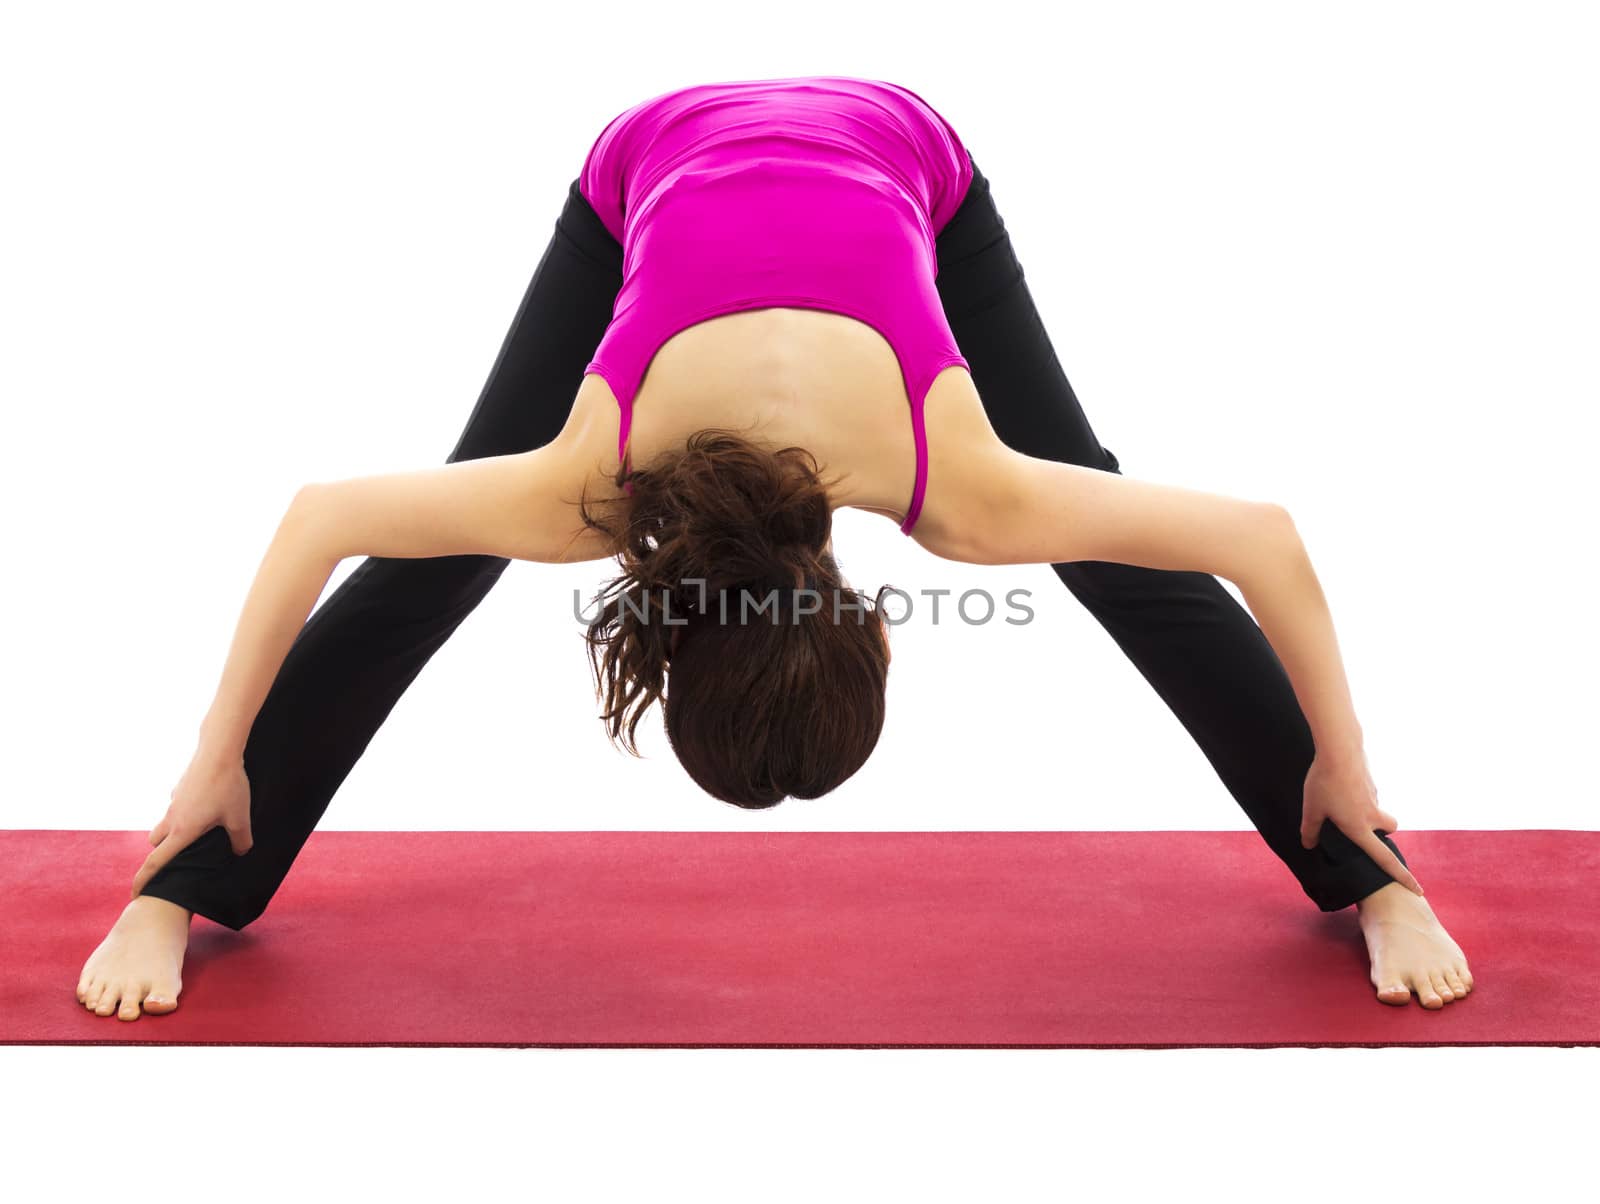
(862, 939)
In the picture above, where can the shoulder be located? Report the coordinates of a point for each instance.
(586, 446)
(969, 468)
(595, 419)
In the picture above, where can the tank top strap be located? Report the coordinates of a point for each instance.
(919, 435)
(919, 426)
(623, 430)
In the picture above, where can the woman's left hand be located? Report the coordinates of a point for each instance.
(1341, 789)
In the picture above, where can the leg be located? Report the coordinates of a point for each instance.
(1199, 649)
(365, 644)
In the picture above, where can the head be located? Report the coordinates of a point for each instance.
(731, 611)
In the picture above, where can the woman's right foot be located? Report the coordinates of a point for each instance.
(136, 968)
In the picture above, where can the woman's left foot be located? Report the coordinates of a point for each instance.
(1410, 950)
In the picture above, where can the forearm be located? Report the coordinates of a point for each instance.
(1283, 593)
(292, 575)
(1001, 507)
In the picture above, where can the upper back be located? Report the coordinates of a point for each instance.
(792, 377)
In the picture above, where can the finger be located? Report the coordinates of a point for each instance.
(159, 856)
(1310, 830)
(1387, 861)
(159, 832)
(1386, 821)
(239, 837)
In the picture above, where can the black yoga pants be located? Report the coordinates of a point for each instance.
(359, 650)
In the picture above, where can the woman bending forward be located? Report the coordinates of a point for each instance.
(765, 300)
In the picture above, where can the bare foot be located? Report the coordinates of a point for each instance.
(1410, 950)
(138, 963)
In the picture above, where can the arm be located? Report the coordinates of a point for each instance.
(1003, 507)
(515, 506)
(1026, 510)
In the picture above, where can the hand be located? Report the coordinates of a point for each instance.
(1341, 790)
(213, 790)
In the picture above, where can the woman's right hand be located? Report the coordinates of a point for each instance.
(213, 790)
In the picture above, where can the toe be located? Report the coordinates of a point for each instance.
(1394, 991)
(1440, 986)
(162, 998)
(89, 993)
(1453, 979)
(132, 997)
(1426, 995)
(1466, 975)
(108, 999)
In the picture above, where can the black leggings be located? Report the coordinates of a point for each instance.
(365, 644)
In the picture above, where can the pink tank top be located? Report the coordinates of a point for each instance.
(817, 192)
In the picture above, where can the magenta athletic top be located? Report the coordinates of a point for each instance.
(817, 192)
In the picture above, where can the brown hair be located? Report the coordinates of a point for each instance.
(763, 700)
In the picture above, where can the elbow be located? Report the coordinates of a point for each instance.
(1264, 545)
(307, 517)
(1277, 520)
(1277, 534)
(305, 506)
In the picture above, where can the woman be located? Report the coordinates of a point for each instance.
(798, 295)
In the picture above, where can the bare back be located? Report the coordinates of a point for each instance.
(787, 376)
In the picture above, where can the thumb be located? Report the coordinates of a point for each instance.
(239, 838)
(1387, 822)
(1310, 829)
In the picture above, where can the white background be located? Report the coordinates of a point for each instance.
(1337, 256)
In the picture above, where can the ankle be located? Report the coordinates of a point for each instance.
(1392, 897)
(157, 907)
